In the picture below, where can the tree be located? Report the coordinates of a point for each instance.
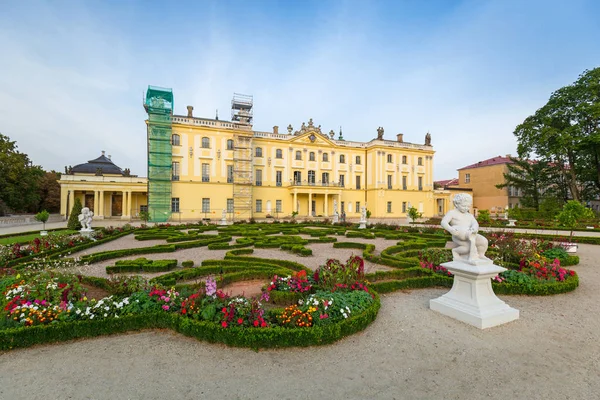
(414, 214)
(19, 179)
(49, 192)
(531, 177)
(566, 133)
(572, 213)
(74, 216)
(42, 216)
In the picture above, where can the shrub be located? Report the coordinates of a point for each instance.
(74, 216)
(187, 264)
(483, 217)
(42, 216)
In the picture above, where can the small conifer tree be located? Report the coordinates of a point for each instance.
(74, 216)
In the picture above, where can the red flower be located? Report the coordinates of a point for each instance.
(264, 324)
(224, 310)
(240, 321)
(224, 324)
(256, 323)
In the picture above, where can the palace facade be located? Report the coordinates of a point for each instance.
(202, 168)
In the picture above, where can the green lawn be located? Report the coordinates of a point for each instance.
(30, 236)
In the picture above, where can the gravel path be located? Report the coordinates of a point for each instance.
(409, 352)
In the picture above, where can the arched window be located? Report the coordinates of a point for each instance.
(420, 161)
(325, 157)
(229, 144)
(342, 159)
(298, 155)
(297, 177)
(357, 160)
(389, 158)
(175, 140)
(278, 153)
(205, 143)
(311, 156)
(258, 152)
(403, 159)
(325, 178)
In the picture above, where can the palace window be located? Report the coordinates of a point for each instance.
(258, 152)
(205, 143)
(358, 182)
(278, 179)
(258, 174)
(389, 158)
(342, 179)
(258, 207)
(467, 178)
(175, 171)
(298, 155)
(205, 172)
(389, 206)
(420, 180)
(404, 179)
(389, 179)
(205, 205)
(420, 161)
(278, 153)
(325, 157)
(175, 204)
(404, 160)
(278, 206)
(325, 178)
(175, 140)
(297, 177)
(357, 160)
(311, 177)
(342, 159)
(229, 144)
(230, 174)
(311, 156)
(403, 206)
(229, 205)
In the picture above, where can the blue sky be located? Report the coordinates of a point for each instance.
(72, 74)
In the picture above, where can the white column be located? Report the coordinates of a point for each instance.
(309, 203)
(326, 205)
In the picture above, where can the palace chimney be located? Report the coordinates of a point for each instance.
(400, 137)
(276, 129)
(190, 111)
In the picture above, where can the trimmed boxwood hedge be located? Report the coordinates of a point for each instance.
(141, 264)
(232, 336)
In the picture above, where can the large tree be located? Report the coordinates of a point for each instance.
(531, 177)
(49, 191)
(566, 133)
(19, 179)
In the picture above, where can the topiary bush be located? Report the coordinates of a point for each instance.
(74, 216)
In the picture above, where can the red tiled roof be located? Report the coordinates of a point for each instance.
(447, 182)
(488, 162)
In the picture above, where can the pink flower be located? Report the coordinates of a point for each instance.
(165, 307)
(167, 299)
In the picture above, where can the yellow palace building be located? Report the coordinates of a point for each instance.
(205, 168)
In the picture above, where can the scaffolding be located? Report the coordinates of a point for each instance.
(242, 176)
(159, 106)
(242, 108)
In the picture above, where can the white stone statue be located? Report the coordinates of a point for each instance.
(334, 206)
(85, 219)
(363, 213)
(224, 214)
(469, 247)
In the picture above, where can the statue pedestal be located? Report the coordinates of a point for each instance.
(223, 221)
(472, 299)
(363, 224)
(87, 233)
(336, 218)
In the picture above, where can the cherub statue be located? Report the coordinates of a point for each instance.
(380, 133)
(85, 219)
(470, 246)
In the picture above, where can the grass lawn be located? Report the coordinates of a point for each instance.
(30, 236)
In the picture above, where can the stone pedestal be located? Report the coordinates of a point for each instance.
(223, 221)
(87, 233)
(362, 224)
(511, 222)
(472, 299)
(336, 218)
(43, 233)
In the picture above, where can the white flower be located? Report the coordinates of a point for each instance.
(107, 308)
(92, 316)
(78, 312)
(300, 302)
(105, 315)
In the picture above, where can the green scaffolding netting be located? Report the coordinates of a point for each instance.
(159, 105)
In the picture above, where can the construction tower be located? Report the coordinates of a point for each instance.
(159, 106)
(241, 112)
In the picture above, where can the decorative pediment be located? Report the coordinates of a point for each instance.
(312, 137)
